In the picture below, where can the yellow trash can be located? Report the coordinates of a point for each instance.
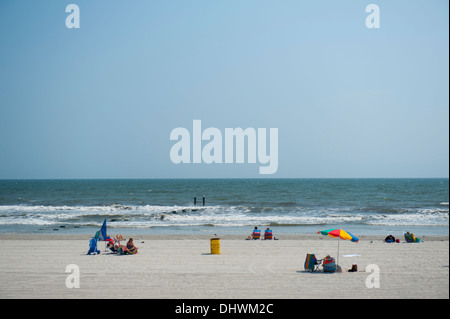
(215, 246)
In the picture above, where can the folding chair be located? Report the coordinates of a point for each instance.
(268, 234)
(410, 238)
(93, 245)
(256, 234)
(311, 263)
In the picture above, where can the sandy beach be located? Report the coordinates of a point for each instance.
(34, 266)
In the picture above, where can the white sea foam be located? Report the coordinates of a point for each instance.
(150, 215)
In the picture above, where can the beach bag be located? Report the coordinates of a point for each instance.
(354, 268)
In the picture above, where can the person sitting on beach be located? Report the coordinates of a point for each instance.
(268, 234)
(132, 249)
(389, 239)
(256, 233)
(128, 249)
(329, 264)
(409, 237)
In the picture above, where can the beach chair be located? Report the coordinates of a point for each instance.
(329, 264)
(410, 238)
(268, 234)
(93, 245)
(256, 234)
(311, 263)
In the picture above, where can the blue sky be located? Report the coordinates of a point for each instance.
(101, 101)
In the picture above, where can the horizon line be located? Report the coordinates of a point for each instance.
(209, 178)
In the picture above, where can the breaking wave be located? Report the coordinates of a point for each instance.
(147, 216)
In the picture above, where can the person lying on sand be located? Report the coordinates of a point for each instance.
(127, 249)
(112, 247)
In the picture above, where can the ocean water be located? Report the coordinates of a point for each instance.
(232, 206)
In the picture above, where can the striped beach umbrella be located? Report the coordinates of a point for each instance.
(340, 234)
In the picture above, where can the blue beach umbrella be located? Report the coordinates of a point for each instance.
(102, 235)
